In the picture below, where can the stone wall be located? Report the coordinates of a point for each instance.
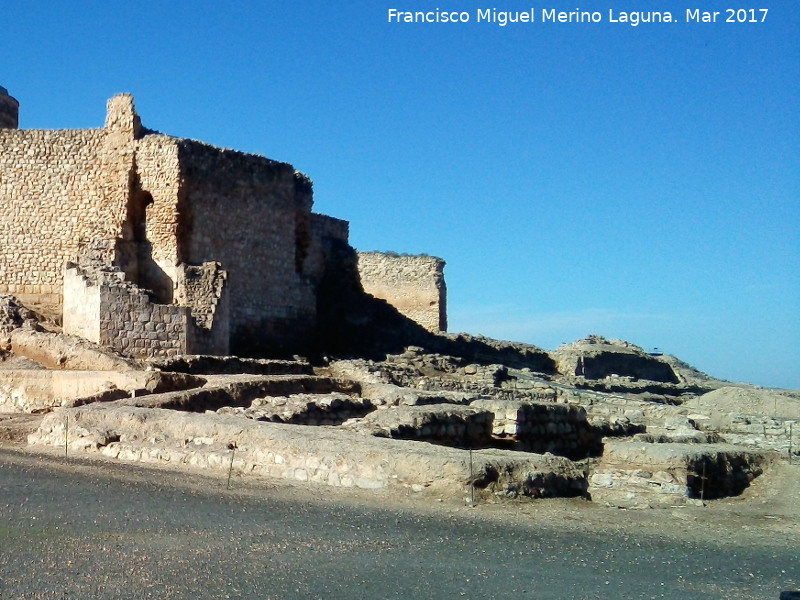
(325, 232)
(126, 318)
(51, 204)
(542, 427)
(250, 214)
(104, 308)
(414, 285)
(9, 110)
(156, 207)
(40, 390)
(640, 474)
(327, 456)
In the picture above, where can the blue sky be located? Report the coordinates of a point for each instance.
(633, 182)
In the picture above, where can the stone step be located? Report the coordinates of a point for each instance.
(198, 364)
(233, 390)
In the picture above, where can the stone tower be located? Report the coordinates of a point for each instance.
(9, 110)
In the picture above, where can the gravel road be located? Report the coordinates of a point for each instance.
(82, 530)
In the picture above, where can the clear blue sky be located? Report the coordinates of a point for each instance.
(633, 182)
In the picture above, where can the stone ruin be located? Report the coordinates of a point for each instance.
(429, 424)
(158, 246)
(134, 265)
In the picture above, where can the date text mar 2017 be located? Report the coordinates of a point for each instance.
(728, 15)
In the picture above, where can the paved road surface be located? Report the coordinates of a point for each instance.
(116, 532)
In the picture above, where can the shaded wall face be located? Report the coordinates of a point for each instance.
(54, 199)
(251, 215)
(9, 112)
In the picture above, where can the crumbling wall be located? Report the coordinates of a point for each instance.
(640, 474)
(204, 290)
(414, 285)
(595, 357)
(81, 306)
(251, 214)
(127, 320)
(65, 191)
(325, 232)
(153, 206)
(154, 202)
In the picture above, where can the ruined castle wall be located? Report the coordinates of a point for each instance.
(51, 203)
(81, 307)
(204, 290)
(251, 215)
(414, 285)
(132, 324)
(152, 206)
(325, 231)
(158, 176)
(119, 315)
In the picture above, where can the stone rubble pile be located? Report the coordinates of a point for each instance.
(13, 315)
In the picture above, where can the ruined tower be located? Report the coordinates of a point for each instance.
(9, 110)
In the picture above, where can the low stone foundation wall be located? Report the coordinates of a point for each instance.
(445, 424)
(303, 409)
(756, 431)
(232, 391)
(615, 407)
(533, 427)
(202, 364)
(640, 474)
(37, 390)
(66, 352)
(327, 456)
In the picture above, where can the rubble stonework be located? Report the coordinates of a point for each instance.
(228, 235)
(412, 284)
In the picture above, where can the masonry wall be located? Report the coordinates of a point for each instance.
(157, 180)
(81, 306)
(132, 324)
(252, 215)
(414, 285)
(52, 203)
(156, 207)
(123, 317)
(325, 232)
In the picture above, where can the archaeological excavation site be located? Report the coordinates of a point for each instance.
(165, 301)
